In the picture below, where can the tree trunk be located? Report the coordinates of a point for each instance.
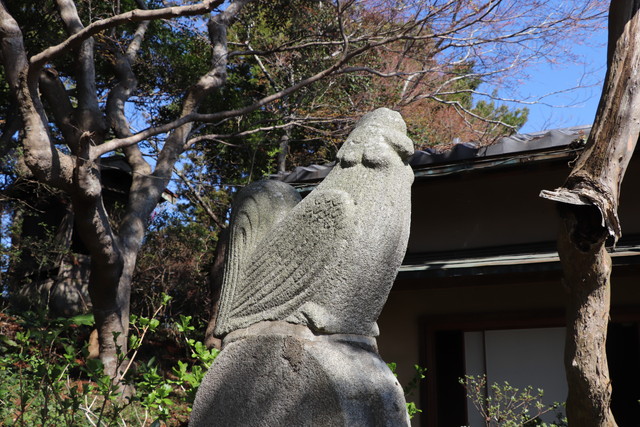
(215, 280)
(588, 205)
(111, 312)
(284, 151)
(586, 274)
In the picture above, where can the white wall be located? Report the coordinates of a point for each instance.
(521, 357)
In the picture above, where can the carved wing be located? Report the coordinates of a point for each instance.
(292, 261)
(255, 210)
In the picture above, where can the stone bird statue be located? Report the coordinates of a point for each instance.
(327, 262)
(304, 283)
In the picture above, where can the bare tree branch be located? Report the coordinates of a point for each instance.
(41, 156)
(37, 61)
(88, 111)
(467, 111)
(54, 93)
(115, 144)
(299, 121)
(118, 96)
(200, 201)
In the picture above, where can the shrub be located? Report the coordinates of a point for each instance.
(45, 380)
(507, 406)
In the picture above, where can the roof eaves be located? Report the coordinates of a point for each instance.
(507, 151)
(502, 264)
(566, 153)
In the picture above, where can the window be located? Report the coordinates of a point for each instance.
(523, 349)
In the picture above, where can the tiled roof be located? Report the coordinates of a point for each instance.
(467, 152)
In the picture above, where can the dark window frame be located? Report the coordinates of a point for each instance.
(430, 326)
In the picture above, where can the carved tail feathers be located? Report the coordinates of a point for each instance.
(301, 255)
(254, 212)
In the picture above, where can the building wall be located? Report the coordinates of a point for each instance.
(479, 209)
(501, 207)
(462, 215)
(408, 315)
(530, 357)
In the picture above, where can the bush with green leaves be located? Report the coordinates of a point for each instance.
(411, 386)
(506, 406)
(46, 380)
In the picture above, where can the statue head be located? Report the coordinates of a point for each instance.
(379, 139)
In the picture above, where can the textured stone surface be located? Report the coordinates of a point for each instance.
(329, 261)
(304, 285)
(291, 377)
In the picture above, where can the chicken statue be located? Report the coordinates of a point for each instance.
(329, 261)
(305, 281)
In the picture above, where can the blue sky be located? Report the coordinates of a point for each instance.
(573, 108)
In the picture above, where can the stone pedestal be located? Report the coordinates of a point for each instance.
(280, 374)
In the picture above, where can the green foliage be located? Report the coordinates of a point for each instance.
(412, 409)
(508, 406)
(46, 380)
(412, 385)
(190, 379)
(37, 370)
(393, 366)
(489, 110)
(420, 374)
(296, 39)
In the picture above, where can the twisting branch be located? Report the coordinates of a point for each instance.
(115, 144)
(88, 114)
(54, 93)
(37, 61)
(215, 78)
(39, 151)
(200, 201)
(121, 92)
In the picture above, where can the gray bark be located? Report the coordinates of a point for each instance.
(588, 205)
(113, 254)
(215, 280)
(284, 150)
